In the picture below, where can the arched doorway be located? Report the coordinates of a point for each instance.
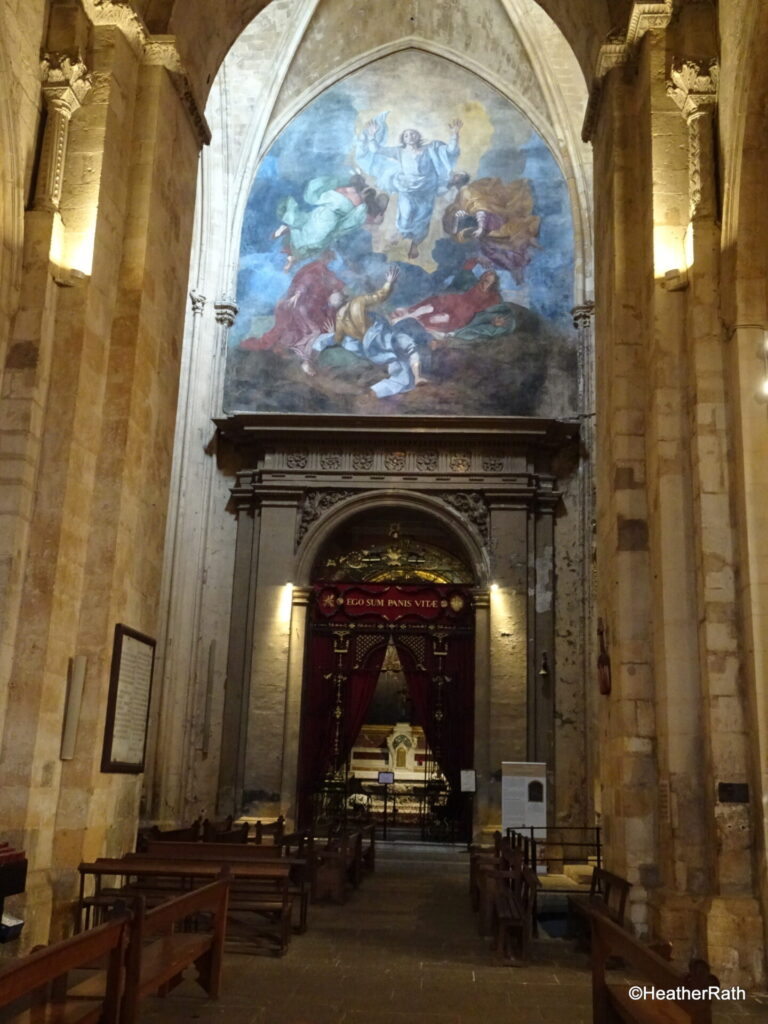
(388, 687)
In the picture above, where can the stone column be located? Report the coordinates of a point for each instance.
(486, 812)
(293, 695)
(234, 733)
(730, 928)
(508, 698)
(541, 654)
(177, 672)
(623, 585)
(583, 321)
(26, 376)
(269, 659)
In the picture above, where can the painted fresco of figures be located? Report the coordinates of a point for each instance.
(498, 216)
(337, 205)
(416, 170)
(413, 262)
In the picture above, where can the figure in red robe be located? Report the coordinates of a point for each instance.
(442, 314)
(304, 312)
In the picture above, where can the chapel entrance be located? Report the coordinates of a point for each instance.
(388, 703)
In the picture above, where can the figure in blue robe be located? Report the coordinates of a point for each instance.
(417, 171)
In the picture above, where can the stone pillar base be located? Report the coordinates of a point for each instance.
(726, 931)
(736, 941)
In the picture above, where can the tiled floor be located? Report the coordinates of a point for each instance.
(404, 948)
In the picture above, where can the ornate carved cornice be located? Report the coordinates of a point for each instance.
(644, 17)
(226, 310)
(154, 51)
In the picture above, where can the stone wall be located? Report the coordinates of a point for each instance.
(88, 400)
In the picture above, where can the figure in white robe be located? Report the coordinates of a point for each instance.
(417, 171)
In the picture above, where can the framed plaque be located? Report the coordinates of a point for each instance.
(130, 685)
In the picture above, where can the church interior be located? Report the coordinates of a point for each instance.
(383, 421)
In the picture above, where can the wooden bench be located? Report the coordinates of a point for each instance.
(337, 863)
(271, 832)
(499, 874)
(257, 887)
(235, 834)
(41, 979)
(608, 894)
(162, 947)
(481, 853)
(611, 1001)
(368, 846)
(300, 867)
(514, 913)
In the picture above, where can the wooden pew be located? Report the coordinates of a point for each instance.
(481, 854)
(159, 951)
(514, 911)
(611, 1002)
(337, 864)
(258, 887)
(368, 851)
(271, 832)
(300, 867)
(608, 894)
(190, 833)
(41, 979)
(502, 874)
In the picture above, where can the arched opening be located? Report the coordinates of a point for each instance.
(387, 723)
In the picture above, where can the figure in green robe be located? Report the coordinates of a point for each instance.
(337, 205)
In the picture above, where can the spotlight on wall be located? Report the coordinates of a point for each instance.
(494, 586)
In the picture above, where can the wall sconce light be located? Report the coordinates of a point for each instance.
(675, 280)
(763, 390)
(544, 670)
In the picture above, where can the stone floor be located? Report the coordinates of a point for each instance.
(403, 948)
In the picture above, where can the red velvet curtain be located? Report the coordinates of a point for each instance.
(443, 699)
(357, 695)
(318, 721)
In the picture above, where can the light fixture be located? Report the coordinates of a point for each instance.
(763, 389)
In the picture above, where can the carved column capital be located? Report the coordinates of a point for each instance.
(226, 310)
(65, 84)
(693, 89)
(693, 86)
(583, 316)
(198, 302)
